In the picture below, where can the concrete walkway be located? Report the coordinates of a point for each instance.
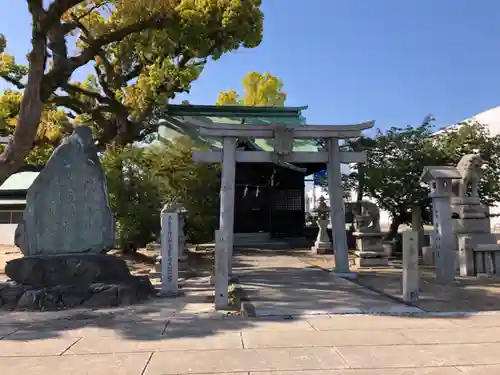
(183, 336)
(141, 341)
(281, 285)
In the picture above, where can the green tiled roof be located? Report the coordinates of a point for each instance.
(184, 119)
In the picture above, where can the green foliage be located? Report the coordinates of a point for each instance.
(471, 137)
(9, 70)
(394, 167)
(134, 196)
(258, 90)
(195, 186)
(54, 124)
(142, 180)
(397, 157)
(143, 53)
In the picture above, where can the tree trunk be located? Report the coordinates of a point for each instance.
(31, 111)
(393, 229)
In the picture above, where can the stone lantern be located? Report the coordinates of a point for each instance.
(323, 244)
(369, 238)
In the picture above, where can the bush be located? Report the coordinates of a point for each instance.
(142, 180)
(134, 196)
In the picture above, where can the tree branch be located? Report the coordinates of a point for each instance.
(74, 89)
(57, 9)
(61, 74)
(35, 7)
(13, 81)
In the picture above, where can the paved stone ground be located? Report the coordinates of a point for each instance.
(465, 295)
(155, 341)
(184, 335)
(280, 284)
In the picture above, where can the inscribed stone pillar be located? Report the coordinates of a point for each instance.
(410, 266)
(169, 252)
(337, 212)
(444, 239)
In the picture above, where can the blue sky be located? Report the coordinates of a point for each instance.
(392, 61)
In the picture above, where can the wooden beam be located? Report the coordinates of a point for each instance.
(300, 132)
(268, 157)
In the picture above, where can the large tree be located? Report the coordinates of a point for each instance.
(395, 162)
(54, 124)
(143, 52)
(396, 159)
(258, 90)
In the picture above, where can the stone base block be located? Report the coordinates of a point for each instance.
(322, 248)
(67, 269)
(371, 262)
(14, 296)
(55, 282)
(369, 241)
(471, 225)
(371, 259)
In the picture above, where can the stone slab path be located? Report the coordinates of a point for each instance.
(284, 285)
(137, 341)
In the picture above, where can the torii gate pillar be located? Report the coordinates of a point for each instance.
(337, 211)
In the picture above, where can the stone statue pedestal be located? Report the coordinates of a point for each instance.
(472, 216)
(323, 245)
(473, 223)
(370, 250)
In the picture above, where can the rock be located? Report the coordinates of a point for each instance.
(97, 295)
(73, 296)
(11, 294)
(102, 295)
(68, 269)
(29, 299)
(67, 207)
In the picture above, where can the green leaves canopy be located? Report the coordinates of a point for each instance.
(143, 52)
(397, 157)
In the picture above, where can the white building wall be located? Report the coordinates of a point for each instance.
(7, 232)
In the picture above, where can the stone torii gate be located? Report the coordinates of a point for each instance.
(283, 137)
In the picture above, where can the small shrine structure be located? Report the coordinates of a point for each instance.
(282, 137)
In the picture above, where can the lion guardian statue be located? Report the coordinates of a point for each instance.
(371, 211)
(469, 168)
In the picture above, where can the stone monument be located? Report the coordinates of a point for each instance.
(323, 245)
(66, 229)
(67, 208)
(470, 217)
(440, 180)
(370, 250)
